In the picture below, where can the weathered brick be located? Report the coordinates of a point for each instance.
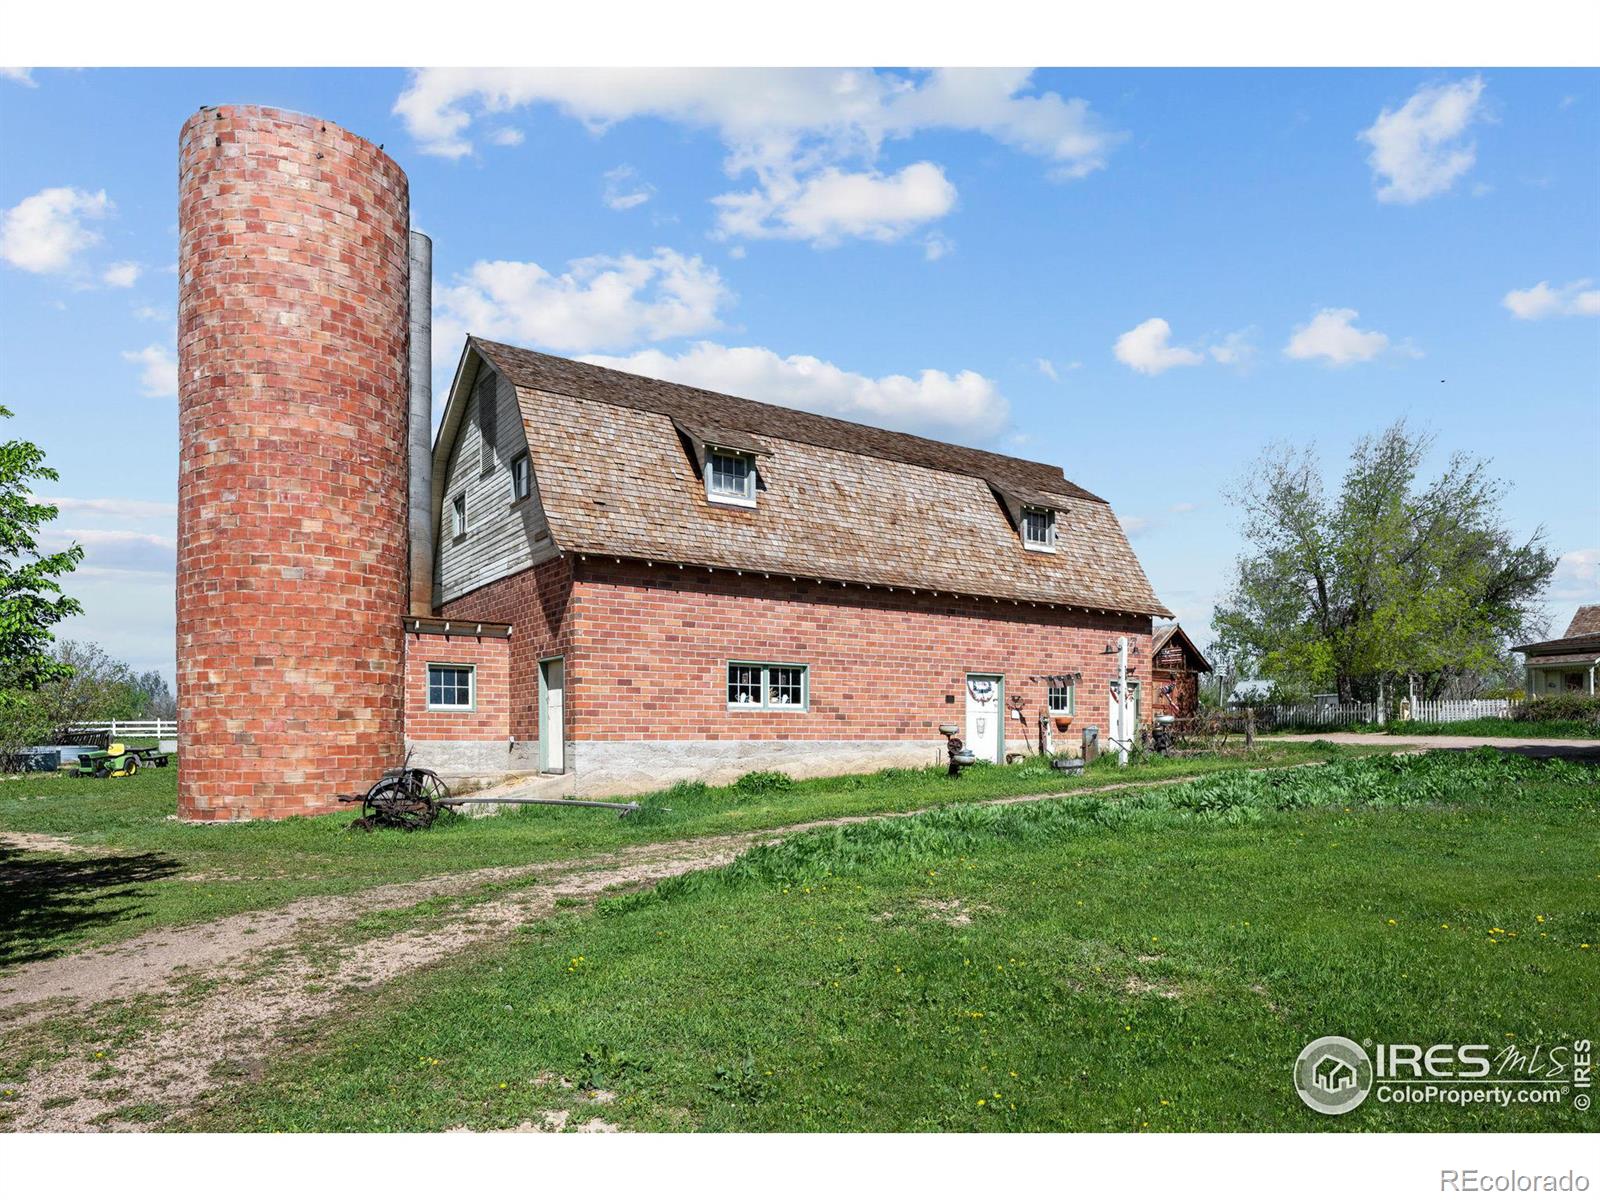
(292, 333)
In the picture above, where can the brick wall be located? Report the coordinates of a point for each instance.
(291, 576)
(538, 604)
(490, 719)
(649, 648)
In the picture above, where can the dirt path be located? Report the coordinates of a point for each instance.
(1576, 749)
(39, 843)
(222, 991)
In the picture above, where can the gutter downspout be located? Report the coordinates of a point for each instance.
(419, 452)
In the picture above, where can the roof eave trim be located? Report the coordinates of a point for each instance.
(668, 560)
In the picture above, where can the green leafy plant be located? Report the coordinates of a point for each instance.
(742, 1083)
(603, 1067)
(758, 783)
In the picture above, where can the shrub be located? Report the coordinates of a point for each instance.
(758, 783)
(1571, 707)
(23, 721)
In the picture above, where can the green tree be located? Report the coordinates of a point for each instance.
(94, 687)
(31, 599)
(1383, 580)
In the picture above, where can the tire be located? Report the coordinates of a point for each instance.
(132, 768)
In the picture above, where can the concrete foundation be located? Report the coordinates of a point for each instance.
(628, 768)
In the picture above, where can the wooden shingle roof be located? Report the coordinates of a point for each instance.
(837, 501)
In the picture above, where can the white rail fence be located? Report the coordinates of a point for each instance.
(126, 729)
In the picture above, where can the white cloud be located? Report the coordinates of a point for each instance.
(22, 75)
(1577, 576)
(1420, 149)
(1237, 349)
(1331, 335)
(121, 274)
(1147, 349)
(149, 312)
(116, 549)
(1576, 299)
(935, 246)
(770, 115)
(1184, 506)
(833, 204)
(624, 189)
(132, 510)
(507, 137)
(964, 404)
(1136, 526)
(1047, 369)
(795, 130)
(158, 374)
(597, 303)
(45, 233)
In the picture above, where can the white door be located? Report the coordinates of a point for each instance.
(552, 715)
(983, 717)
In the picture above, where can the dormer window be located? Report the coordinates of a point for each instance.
(730, 478)
(1039, 529)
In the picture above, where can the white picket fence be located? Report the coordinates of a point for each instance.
(1325, 715)
(127, 729)
(1319, 715)
(1456, 710)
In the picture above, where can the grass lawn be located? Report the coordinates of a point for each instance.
(144, 869)
(1151, 960)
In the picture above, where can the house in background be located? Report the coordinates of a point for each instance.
(1569, 663)
(1175, 674)
(638, 582)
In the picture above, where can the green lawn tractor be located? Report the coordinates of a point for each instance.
(116, 761)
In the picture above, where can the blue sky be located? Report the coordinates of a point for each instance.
(1142, 276)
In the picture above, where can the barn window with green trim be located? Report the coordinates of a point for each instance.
(774, 686)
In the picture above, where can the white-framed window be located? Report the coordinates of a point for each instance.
(730, 478)
(452, 687)
(458, 516)
(521, 481)
(782, 687)
(1063, 698)
(1039, 529)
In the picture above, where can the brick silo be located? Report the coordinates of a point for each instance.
(292, 414)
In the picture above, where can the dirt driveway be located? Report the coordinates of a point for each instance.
(1574, 749)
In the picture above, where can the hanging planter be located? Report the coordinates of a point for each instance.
(1063, 724)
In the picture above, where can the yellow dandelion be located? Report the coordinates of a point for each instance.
(1392, 921)
(1539, 919)
(981, 1103)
